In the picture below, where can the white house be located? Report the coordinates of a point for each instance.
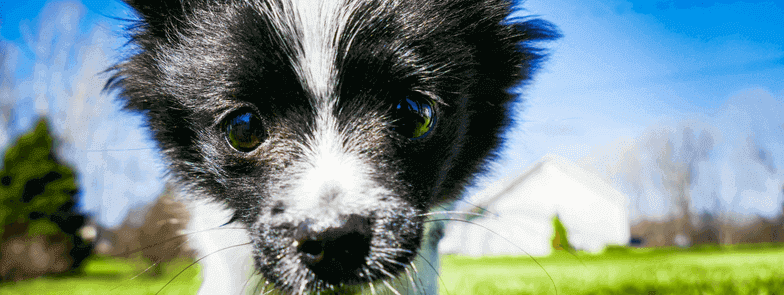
(519, 213)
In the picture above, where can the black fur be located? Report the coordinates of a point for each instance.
(196, 62)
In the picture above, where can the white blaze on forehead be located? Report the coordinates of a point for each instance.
(313, 28)
(330, 173)
(321, 24)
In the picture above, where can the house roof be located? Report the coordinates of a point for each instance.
(576, 173)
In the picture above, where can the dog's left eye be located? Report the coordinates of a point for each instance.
(414, 117)
(244, 131)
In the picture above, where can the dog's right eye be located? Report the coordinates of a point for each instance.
(244, 131)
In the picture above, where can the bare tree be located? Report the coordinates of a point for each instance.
(679, 168)
(160, 237)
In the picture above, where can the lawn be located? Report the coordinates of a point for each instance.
(107, 275)
(746, 269)
(757, 269)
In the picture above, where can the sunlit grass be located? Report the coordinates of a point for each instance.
(113, 276)
(726, 270)
(731, 270)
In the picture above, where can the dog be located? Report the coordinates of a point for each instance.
(314, 141)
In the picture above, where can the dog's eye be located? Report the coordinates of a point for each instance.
(244, 131)
(414, 117)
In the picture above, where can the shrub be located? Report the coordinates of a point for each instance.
(560, 239)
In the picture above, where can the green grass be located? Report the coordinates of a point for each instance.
(112, 276)
(718, 270)
(730, 270)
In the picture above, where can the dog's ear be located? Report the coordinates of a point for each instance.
(160, 16)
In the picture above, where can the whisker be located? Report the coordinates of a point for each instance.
(117, 150)
(154, 263)
(416, 273)
(391, 250)
(399, 279)
(263, 284)
(384, 271)
(370, 281)
(245, 285)
(396, 262)
(197, 261)
(390, 287)
(159, 261)
(574, 254)
(125, 254)
(435, 270)
(265, 289)
(454, 212)
(411, 278)
(477, 207)
(134, 277)
(505, 239)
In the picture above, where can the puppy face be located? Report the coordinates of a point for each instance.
(328, 127)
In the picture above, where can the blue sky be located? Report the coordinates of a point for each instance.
(627, 80)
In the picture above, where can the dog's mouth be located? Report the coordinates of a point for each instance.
(350, 254)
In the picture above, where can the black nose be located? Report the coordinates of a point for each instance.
(336, 251)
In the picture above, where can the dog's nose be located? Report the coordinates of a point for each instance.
(337, 250)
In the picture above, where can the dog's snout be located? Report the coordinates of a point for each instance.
(337, 250)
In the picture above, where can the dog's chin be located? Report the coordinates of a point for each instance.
(344, 256)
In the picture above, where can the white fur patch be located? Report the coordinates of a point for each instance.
(332, 179)
(331, 175)
(227, 264)
(317, 26)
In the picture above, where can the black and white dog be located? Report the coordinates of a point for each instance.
(313, 138)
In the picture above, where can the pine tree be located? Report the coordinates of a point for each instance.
(37, 202)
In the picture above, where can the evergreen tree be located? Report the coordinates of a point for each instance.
(37, 196)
